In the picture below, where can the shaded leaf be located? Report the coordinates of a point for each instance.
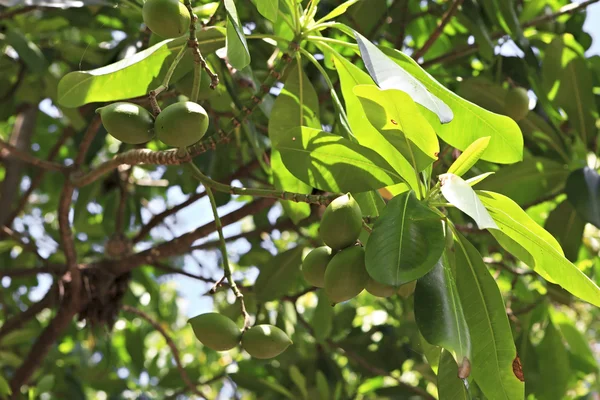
(553, 361)
(406, 243)
(237, 48)
(28, 51)
(322, 320)
(322, 386)
(278, 275)
(299, 380)
(567, 227)
(583, 192)
(450, 386)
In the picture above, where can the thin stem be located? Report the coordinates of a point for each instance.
(196, 84)
(29, 159)
(193, 44)
(266, 193)
(438, 31)
(226, 266)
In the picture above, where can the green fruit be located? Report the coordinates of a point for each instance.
(314, 265)
(265, 341)
(127, 122)
(216, 331)
(341, 222)
(407, 289)
(516, 103)
(166, 18)
(379, 289)
(181, 124)
(346, 275)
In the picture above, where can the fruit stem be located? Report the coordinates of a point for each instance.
(165, 83)
(198, 59)
(267, 193)
(226, 266)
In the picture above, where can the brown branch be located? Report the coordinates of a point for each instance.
(438, 31)
(88, 137)
(19, 272)
(181, 244)
(159, 218)
(173, 270)
(28, 158)
(471, 49)
(171, 345)
(35, 182)
(20, 319)
(28, 245)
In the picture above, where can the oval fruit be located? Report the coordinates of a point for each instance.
(127, 122)
(379, 289)
(516, 103)
(314, 265)
(265, 341)
(346, 275)
(181, 124)
(166, 18)
(341, 222)
(216, 331)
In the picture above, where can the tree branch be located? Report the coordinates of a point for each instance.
(28, 158)
(171, 345)
(18, 272)
(28, 246)
(438, 31)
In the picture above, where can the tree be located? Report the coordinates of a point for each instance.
(446, 151)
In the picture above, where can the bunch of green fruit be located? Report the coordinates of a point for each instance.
(179, 125)
(220, 333)
(339, 267)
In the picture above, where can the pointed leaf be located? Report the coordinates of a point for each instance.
(520, 235)
(331, 163)
(469, 157)
(237, 48)
(476, 179)
(583, 192)
(134, 76)
(581, 355)
(439, 314)
(322, 318)
(299, 380)
(450, 386)
(470, 122)
(396, 116)
(350, 76)
(323, 386)
(389, 75)
(267, 8)
(567, 227)
(297, 105)
(278, 275)
(4, 387)
(493, 345)
(460, 194)
(553, 361)
(406, 242)
(28, 52)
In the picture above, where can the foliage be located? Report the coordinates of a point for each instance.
(481, 230)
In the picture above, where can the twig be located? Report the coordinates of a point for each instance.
(471, 49)
(28, 158)
(198, 59)
(438, 31)
(88, 137)
(19, 272)
(29, 245)
(173, 270)
(172, 346)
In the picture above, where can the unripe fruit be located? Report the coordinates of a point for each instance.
(379, 289)
(166, 18)
(181, 124)
(516, 103)
(216, 331)
(265, 341)
(407, 289)
(346, 275)
(314, 265)
(341, 222)
(127, 122)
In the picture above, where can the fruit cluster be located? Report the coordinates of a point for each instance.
(339, 267)
(220, 333)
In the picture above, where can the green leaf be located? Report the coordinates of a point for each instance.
(4, 387)
(322, 318)
(450, 386)
(470, 122)
(297, 105)
(339, 10)
(406, 243)
(323, 386)
(278, 275)
(567, 227)
(460, 194)
(134, 343)
(476, 179)
(389, 75)
(237, 48)
(493, 346)
(583, 192)
(396, 116)
(299, 380)
(439, 313)
(553, 361)
(469, 157)
(28, 51)
(45, 384)
(134, 76)
(330, 162)
(278, 388)
(580, 353)
(528, 241)
(267, 8)
(350, 76)
(528, 181)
